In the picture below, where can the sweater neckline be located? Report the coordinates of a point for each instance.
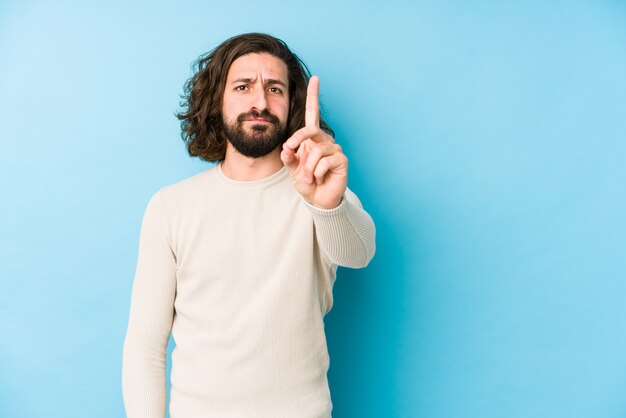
(280, 174)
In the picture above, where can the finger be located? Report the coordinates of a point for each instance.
(303, 155)
(312, 111)
(329, 163)
(308, 132)
(317, 152)
(290, 159)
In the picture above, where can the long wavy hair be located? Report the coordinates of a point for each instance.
(201, 118)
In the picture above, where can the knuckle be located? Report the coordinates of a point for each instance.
(321, 168)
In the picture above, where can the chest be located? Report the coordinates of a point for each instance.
(250, 230)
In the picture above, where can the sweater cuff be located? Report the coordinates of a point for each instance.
(321, 212)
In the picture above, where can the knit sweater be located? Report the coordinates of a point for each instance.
(241, 274)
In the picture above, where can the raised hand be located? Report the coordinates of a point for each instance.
(316, 164)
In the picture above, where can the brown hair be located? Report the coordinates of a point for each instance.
(201, 118)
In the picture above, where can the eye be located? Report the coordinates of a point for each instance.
(275, 90)
(242, 87)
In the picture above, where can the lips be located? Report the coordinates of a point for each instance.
(258, 117)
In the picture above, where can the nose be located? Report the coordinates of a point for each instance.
(259, 101)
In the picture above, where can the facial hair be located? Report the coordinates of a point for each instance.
(261, 139)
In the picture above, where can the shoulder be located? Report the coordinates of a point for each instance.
(186, 192)
(190, 184)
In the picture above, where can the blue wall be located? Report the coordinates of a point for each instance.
(487, 140)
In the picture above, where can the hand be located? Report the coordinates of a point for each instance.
(318, 168)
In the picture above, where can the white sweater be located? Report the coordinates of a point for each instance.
(241, 273)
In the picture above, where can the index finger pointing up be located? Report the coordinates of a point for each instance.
(312, 112)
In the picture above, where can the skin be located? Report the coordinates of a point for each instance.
(316, 164)
(254, 81)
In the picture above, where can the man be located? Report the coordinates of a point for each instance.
(238, 262)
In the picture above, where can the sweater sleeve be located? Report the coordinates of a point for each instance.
(151, 315)
(346, 234)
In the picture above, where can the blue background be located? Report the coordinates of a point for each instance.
(486, 138)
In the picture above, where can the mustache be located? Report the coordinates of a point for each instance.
(253, 114)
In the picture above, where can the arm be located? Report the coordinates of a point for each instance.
(346, 234)
(151, 315)
(319, 172)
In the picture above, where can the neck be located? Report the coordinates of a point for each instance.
(241, 168)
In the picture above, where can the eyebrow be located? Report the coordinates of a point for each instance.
(270, 81)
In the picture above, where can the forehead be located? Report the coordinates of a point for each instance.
(253, 65)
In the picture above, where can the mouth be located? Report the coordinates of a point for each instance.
(258, 120)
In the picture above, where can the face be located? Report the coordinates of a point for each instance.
(256, 104)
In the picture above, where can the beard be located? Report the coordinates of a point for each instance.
(262, 138)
